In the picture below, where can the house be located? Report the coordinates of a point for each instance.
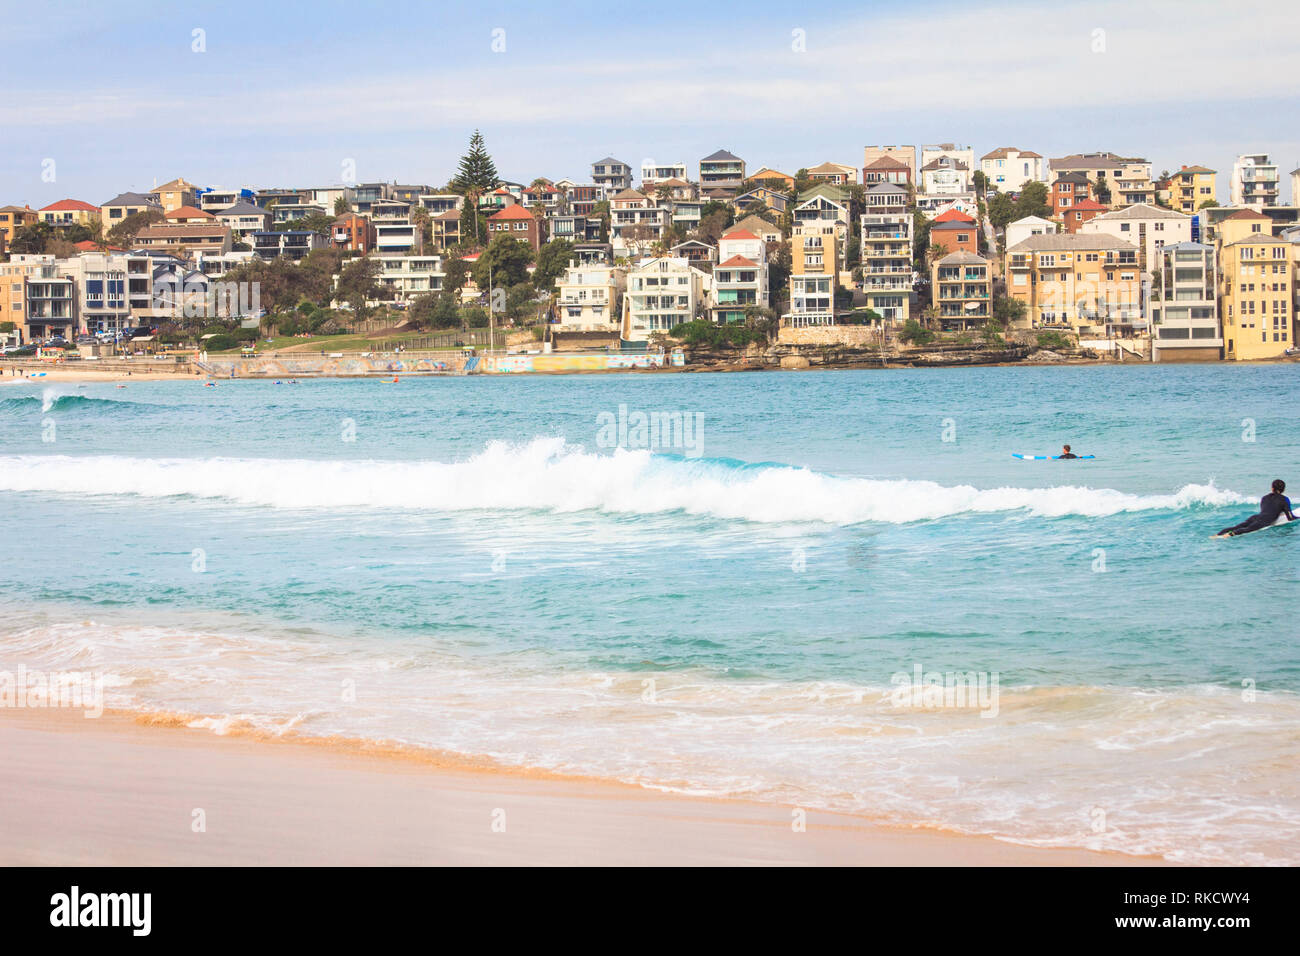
(364, 196)
(328, 197)
(653, 173)
(409, 194)
(887, 169)
(69, 212)
(934, 206)
(1145, 226)
(445, 231)
(762, 196)
(1008, 168)
(1087, 282)
(517, 223)
(1182, 305)
(661, 294)
(184, 239)
(903, 160)
(214, 267)
(581, 199)
(961, 290)
(886, 260)
(437, 203)
(1068, 189)
(1022, 229)
(722, 171)
(1256, 296)
(945, 176)
(293, 244)
(1191, 187)
(837, 174)
(695, 252)
(767, 231)
(189, 215)
(814, 279)
(740, 277)
(1085, 210)
(589, 298)
(954, 232)
(396, 236)
(120, 208)
(612, 174)
(353, 233)
(1254, 181)
(286, 212)
(13, 218)
(175, 194)
(824, 206)
(773, 179)
(243, 218)
(573, 228)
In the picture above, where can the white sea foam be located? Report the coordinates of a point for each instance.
(547, 474)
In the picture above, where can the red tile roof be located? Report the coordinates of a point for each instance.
(740, 234)
(1089, 205)
(954, 215)
(189, 212)
(737, 261)
(67, 205)
(512, 212)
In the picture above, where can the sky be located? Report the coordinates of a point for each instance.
(102, 98)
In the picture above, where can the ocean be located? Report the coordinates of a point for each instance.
(736, 585)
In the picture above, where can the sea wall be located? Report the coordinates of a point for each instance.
(862, 336)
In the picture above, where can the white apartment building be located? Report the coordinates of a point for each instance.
(740, 277)
(590, 298)
(112, 287)
(1008, 168)
(661, 294)
(1148, 227)
(1182, 305)
(635, 222)
(1254, 181)
(403, 278)
(948, 158)
(653, 173)
(887, 264)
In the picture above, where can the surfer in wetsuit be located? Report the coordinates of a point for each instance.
(1066, 453)
(1270, 506)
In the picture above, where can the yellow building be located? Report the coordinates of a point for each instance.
(13, 218)
(68, 212)
(1087, 282)
(1190, 188)
(175, 194)
(1255, 295)
(813, 278)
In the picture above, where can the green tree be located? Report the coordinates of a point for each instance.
(124, 233)
(341, 207)
(454, 276)
(1033, 201)
(1002, 210)
(477, 172)
(507, 261)
(552, 260)
(601, 211)
(981, 182)
(357, 283)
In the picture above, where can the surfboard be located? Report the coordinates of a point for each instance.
(1281, 520)
(1050, 457)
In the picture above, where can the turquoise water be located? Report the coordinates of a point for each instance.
(465, 564)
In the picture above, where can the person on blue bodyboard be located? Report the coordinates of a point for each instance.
(1066, 453)
(1270, 507)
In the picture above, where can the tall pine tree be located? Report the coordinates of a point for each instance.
(477, 173)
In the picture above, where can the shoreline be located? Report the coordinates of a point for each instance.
(128, 789)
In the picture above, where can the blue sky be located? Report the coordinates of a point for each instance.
(286, 94)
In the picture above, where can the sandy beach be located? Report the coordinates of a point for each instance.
(115, 791)
(65, 373)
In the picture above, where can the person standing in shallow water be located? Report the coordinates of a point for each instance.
(1270, 507)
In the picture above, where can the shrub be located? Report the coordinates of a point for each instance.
(915, 334)
(221, 343)
(1051, 339)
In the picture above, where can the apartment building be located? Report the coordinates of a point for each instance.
(13, 218)
(824, 206)
(1254, 181)
(887, 169)
(353, 233)
(886, 258)
(1256, 296)
(216, 199)
(1182, 305)
(886, 199)
(517, 223)
(1008, 168)
(292, 244)
(291, 211)
(184, 239)
(123, 206)
(1191, 187)
(961, 291)
(1117, 180)
(1090, 283)
(112, 288)
(589, 298)
(740, 277)
(946, 176)
(902, 159)
(814, 277)
(613, 175)
(653, 173)
(722, 171)
(636, 222)
(1148, 227)
(948, 158)
(403, 278)
(175, 194)
(1068, 189)
(661, 294)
